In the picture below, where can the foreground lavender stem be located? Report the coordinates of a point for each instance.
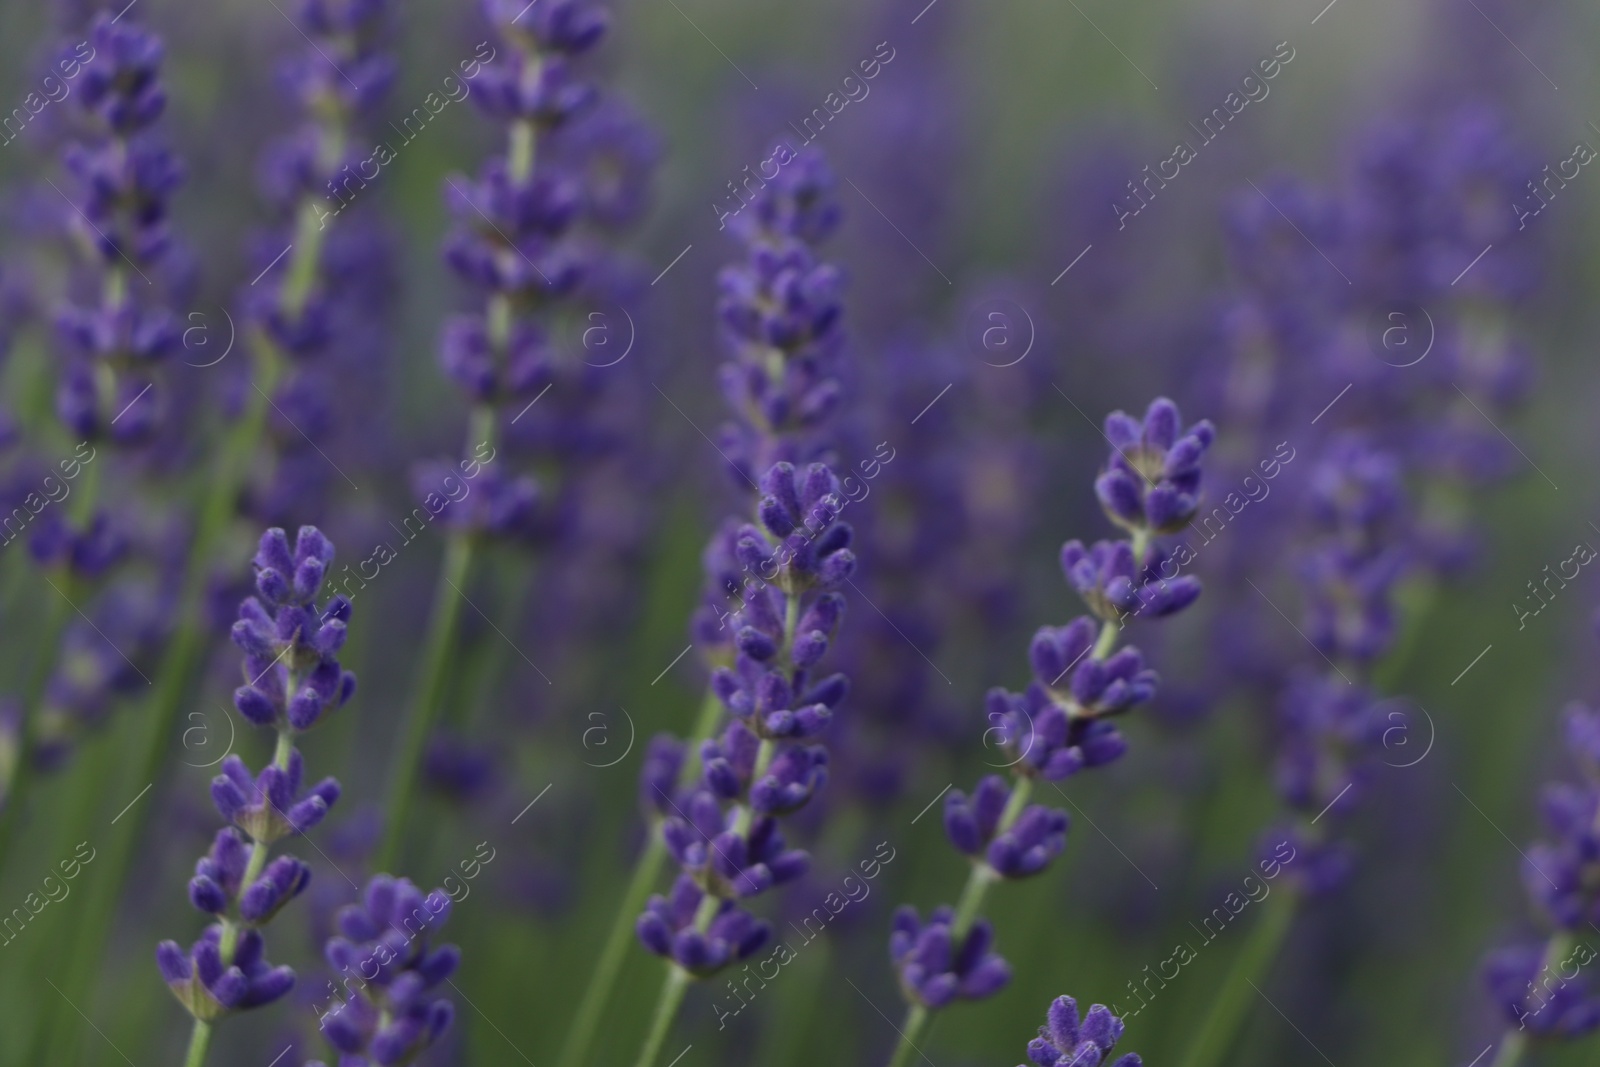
(779, 311)
(331, 110)
(292, 681)
(1061, 725)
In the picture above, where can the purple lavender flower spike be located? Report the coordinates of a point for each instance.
(1061, 724)
(1152, 478)
(1529, 983)
(385, 956)
(667, 928)
(1066, 1041)
(933, 969)
(286, 640)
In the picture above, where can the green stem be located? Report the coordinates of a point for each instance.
(198, 1040)
(672, 992)
(916, 1019)
(14, 792)
(646, 871)
(173, 678)
(1512, 1047)
(424, 709)
(1231, 1006)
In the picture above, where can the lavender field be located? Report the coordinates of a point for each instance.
(690, 533)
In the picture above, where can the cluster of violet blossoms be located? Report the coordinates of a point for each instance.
(773, 609)
(1064, 722)
(1549, 990)
(1332, 724)
(112, 333)
(1069, 1040)
(324, 287)
(292, 681)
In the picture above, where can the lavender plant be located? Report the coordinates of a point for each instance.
(389, 1016)
(780, 314)
(299, 307)
(1545, 993)
(111, 334)
(293, 681)
(1064, 722)
(514, 241)
(1068, 1040)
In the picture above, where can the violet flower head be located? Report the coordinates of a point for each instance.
(1025, 848)
(780, 310)
(1152, 478)
(292, 675)
(1065, 1040)
(933, 969)
(286, 641)
(668, 929)
(384, 946)
(210, 987)
(1548, 989)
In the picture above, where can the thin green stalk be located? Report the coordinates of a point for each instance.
(173, 678)
(983, 876)
(199, 1039)
(666, 1010)
(14, 792)
(646, 871)
(424, 709)
(916, 1019)
(1512, 1047)
(1231, 1006)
